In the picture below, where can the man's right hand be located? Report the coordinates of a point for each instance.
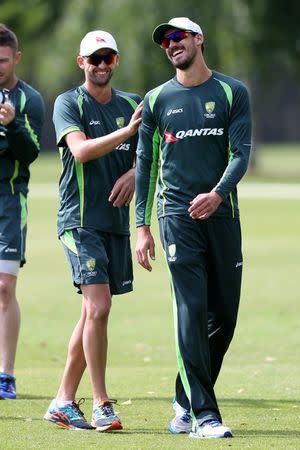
(145, 246)
(135, 120)
(7, 113)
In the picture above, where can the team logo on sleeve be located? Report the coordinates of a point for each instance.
(210, 106)
(120, 122)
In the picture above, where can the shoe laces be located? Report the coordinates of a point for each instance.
(74, 411)
(7, 384)
(181, 412)
(186, 417)
(212, 423)
(105, 409)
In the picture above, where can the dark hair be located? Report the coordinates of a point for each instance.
(8, 38)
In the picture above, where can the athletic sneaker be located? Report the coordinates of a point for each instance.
(69, 416)
(104, 417)
(211, 429)
(7, 387)
(182, 422)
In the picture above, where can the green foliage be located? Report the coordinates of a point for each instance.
(275, 37)
(242, 37)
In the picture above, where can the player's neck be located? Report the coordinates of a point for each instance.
(103, 94)
(195, 75)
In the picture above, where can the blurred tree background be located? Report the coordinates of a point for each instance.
(257, 41)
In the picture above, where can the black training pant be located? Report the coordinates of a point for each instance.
(205, 264)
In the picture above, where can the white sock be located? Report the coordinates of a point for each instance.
(62, 403)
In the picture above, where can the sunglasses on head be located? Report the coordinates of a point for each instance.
(176, 36)
(95, 59)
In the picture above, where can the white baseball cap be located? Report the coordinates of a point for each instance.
(95, 40)
(182, 23)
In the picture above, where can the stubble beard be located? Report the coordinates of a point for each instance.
(185, 64)
(5, 80)
(98, 82)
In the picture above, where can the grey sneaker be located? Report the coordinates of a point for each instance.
(182, 422)
(211, 429)
(104, 417)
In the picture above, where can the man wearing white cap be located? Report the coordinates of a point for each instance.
(96, 128)
(195, 138)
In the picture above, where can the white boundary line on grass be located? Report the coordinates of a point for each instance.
(245, 190)
(269, 190)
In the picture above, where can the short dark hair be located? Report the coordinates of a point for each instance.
(8, 38)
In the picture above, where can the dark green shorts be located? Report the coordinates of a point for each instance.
(97, 257)
(13, 227)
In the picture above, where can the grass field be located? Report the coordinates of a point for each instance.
(259, 387)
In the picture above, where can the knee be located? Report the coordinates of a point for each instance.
(224, 328)
(6, 294)
(99, 311)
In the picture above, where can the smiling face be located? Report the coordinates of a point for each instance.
(182, 53)
(99, 71)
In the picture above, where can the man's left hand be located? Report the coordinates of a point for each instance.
(123, 190)
(204, 205)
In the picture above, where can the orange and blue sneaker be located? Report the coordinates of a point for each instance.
(70, 416)
(104, 417)
(7, 386)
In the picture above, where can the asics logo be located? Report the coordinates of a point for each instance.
(95, 122)
(174, 111)
(125, 147)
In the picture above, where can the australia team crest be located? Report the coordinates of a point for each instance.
(210, 107)
(120, 122)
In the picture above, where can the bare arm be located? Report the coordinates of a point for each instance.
(84, 149)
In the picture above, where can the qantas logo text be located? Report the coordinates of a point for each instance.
(191, 133)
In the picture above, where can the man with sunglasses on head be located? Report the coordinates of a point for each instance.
(96, 128)
(195, 138)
